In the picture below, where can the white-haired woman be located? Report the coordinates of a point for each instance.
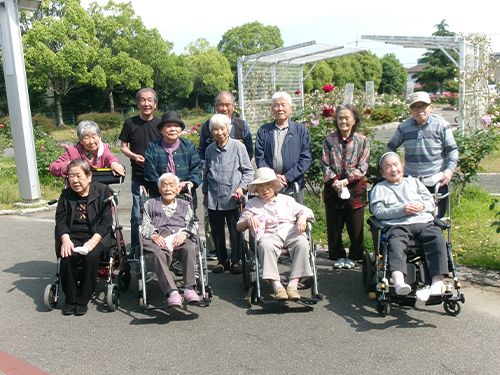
(166, 216)
(89, 147)
(227, 173)
(281, 222)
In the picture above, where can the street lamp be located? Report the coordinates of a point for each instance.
(17, 97)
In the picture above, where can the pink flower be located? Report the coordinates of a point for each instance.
(42, 147)
(2, 125)
(298, 92)
(328, 88)
(486, 120)
(72, 130)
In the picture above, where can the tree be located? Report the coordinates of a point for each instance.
(320, 76)
(248, 39)
(439, 67)
(394, 75)
(210, 71)
(115, 25)
(357, 69)
(61, 54)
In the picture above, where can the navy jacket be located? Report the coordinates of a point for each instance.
(296, 152)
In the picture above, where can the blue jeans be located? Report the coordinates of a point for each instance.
(135, 216)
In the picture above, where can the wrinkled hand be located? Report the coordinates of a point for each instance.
(447, 175)
(412, 209)
(281, 178)
(301, 224)
(339, 184)
(66, 247)
(158, 240)
(239, 193)
(183, 185)
(139, 159)
(179, 239)
(117, 168)
(253, 223)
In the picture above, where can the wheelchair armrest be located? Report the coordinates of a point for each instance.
(441, 224)
(375, 223)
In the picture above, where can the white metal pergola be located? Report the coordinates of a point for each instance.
(456, 43)
(262, 74)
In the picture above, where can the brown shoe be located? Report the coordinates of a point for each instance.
(280, 294)
(293, 294)
(236, 268)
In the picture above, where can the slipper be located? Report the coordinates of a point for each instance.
(293, 294)
(281, 294)
(403, 289)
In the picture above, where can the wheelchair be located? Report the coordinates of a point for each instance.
(375, 270)
(145, 276)
(252, 272)
(112, 264)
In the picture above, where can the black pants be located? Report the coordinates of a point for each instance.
(87, 276)
(231, 217)
(353, 220)
(433, 246)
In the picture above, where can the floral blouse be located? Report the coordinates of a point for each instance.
(345, 159)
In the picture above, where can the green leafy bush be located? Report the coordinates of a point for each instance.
(106, 121)
(382, 115)
(5, 134)
(47, 150)
(46, 124)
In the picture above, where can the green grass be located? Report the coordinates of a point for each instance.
(475, 242)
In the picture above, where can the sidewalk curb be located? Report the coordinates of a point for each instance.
(27, 211)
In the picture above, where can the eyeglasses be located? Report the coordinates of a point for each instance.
(418, 108)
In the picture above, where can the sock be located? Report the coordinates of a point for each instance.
(173, 292)
(276, 285)
(437, 284)
(293, 283)
(398, 277)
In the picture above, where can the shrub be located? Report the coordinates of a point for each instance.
(47, 150)
(106, 121)
(5, 134)
(46, 124)
(382, 114)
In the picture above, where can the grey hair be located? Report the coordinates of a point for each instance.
(281, 95)
(167, 175)
(221, 93)
(146, 89)
(220, 119)
(87, 127)
(385, 156)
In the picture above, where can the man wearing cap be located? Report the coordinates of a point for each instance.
(172, 154)
(136, 133)
(284, 145)
(224, 104)
(431, 152)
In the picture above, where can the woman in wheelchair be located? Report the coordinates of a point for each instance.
(406, 205)
(168, 232)
(83, 232)
(279, 222)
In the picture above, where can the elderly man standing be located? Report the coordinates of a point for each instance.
(224, 104)
(136, 133)
(431, 152)
(284, 145)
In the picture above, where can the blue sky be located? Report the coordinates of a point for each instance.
(182, 22)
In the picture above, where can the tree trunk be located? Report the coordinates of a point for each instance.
(196, 101)
(59, 118)
(441, 88)
(111, 102)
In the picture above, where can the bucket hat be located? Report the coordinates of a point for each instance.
(170, 116)
(263, 175)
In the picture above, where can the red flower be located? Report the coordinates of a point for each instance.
(297, 92)
(199, 125)
(328, 112)
(194, 128)
(367, 111)
(328, 88)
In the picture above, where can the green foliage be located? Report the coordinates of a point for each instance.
(320, 76)
(394, 75)
(473, 147)
(47, 150)
(492, 207)
(5, 134)
(357, 69)
(209, 69)
(110, 137)
(106, 121)
(382, 115)
(46, 124)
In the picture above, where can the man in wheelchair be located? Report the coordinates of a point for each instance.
(278, 222)
(406, 206)
(168, 232)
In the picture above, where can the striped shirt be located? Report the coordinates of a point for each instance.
(429, 149)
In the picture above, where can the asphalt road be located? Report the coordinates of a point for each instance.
(342, 334)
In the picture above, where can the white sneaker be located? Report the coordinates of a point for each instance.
(423, 294)
(339, 263)
(403, 289)
(349, 264)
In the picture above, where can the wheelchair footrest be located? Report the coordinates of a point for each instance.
(437, 299)
(408, 300)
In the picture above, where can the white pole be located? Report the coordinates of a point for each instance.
(18, 102)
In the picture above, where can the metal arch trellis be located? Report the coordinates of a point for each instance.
(471, 98)
(260, 75)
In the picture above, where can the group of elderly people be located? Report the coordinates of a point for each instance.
(168, 164)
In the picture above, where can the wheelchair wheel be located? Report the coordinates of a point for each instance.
(452, 308)
(247, 266)
(124, 278)
(49, 297)
(383, 308)
(113, 297)
(369, 281)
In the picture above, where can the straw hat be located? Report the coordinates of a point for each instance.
(263, 175)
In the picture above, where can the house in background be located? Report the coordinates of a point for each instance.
(411, 75)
